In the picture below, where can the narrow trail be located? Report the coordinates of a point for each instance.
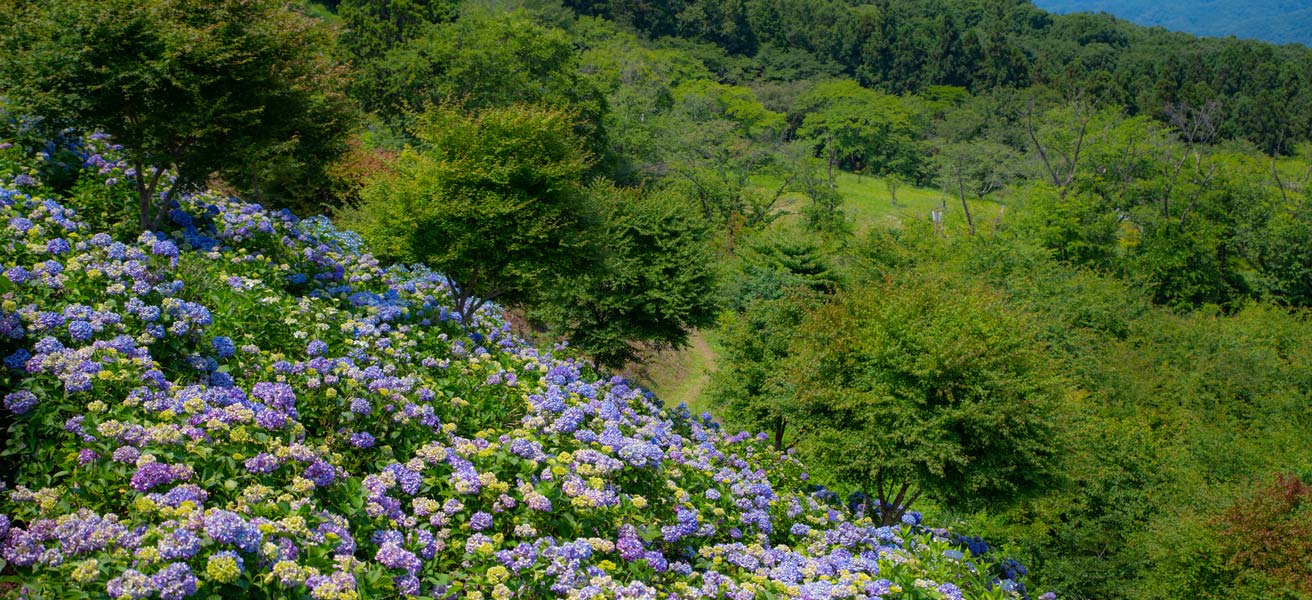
(681, 375)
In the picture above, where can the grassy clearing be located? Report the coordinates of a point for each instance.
(868, 204)
(680, 376)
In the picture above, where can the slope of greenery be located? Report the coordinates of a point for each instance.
(1044, 277)
(1279, 21)
(242, 403)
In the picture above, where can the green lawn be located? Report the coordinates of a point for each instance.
(868, 204)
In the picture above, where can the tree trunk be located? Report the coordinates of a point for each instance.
(961, 191)
(143, 200)
(255, 186)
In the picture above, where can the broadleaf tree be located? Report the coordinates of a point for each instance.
(858, 128)
(188, 87)
(654, 282)
(912, 387)
(492, 199)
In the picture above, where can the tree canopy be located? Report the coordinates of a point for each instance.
(188, 87)
(653, 284)
(914, 386)
(492, 199)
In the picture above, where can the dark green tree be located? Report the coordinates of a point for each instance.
(771, 262)
(653, 285)
(745, 389)
(484, 60)
(372, 27)
(492, 200)
(188, 87)
(857, 128)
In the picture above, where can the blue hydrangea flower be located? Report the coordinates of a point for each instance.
(223, 346)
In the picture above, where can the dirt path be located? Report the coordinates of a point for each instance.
(681, 375)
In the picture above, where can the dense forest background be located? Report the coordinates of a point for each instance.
(1043, 277)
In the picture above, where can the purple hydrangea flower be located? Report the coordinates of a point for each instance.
(18, 275)
(164, 248)
(228, 527)
(393, 556)
(20, 402)
(362, 440)
(175, 582)
(131, 584)
(262, 463)
(154, 474)
(181, 544)
(321, 473)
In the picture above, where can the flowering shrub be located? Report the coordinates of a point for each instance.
(247, 404)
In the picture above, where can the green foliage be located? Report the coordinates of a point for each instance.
(653, 284)
(858, 128)
(705, 100)
(483, 60)
(919, 386)
(745, 389)
(372, 27)
(1170, 417)
(770, 264)
(1267, 532)
(1179, 412)
(1078, 229)
(724, 137)
(904, 47)
(492, 200)
(163, 78)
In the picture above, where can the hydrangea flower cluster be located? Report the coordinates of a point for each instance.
(246, 403)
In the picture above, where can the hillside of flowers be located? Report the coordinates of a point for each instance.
(245, 404)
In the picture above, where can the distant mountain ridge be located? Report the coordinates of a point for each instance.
(1278, 21)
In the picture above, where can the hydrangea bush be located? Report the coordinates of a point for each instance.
(249, 404)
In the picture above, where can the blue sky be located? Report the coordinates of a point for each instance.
(1280, 21)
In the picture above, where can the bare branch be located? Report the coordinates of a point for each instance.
(1202, 187)
(1029, 128)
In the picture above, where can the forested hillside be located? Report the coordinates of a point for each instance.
(983, 302)
(1277, 21)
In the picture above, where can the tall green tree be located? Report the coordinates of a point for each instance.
(745, 389)
(492, 199)
(857, 128)
(188, 87)
(654, 283)
(372, 27)
(486, 60)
